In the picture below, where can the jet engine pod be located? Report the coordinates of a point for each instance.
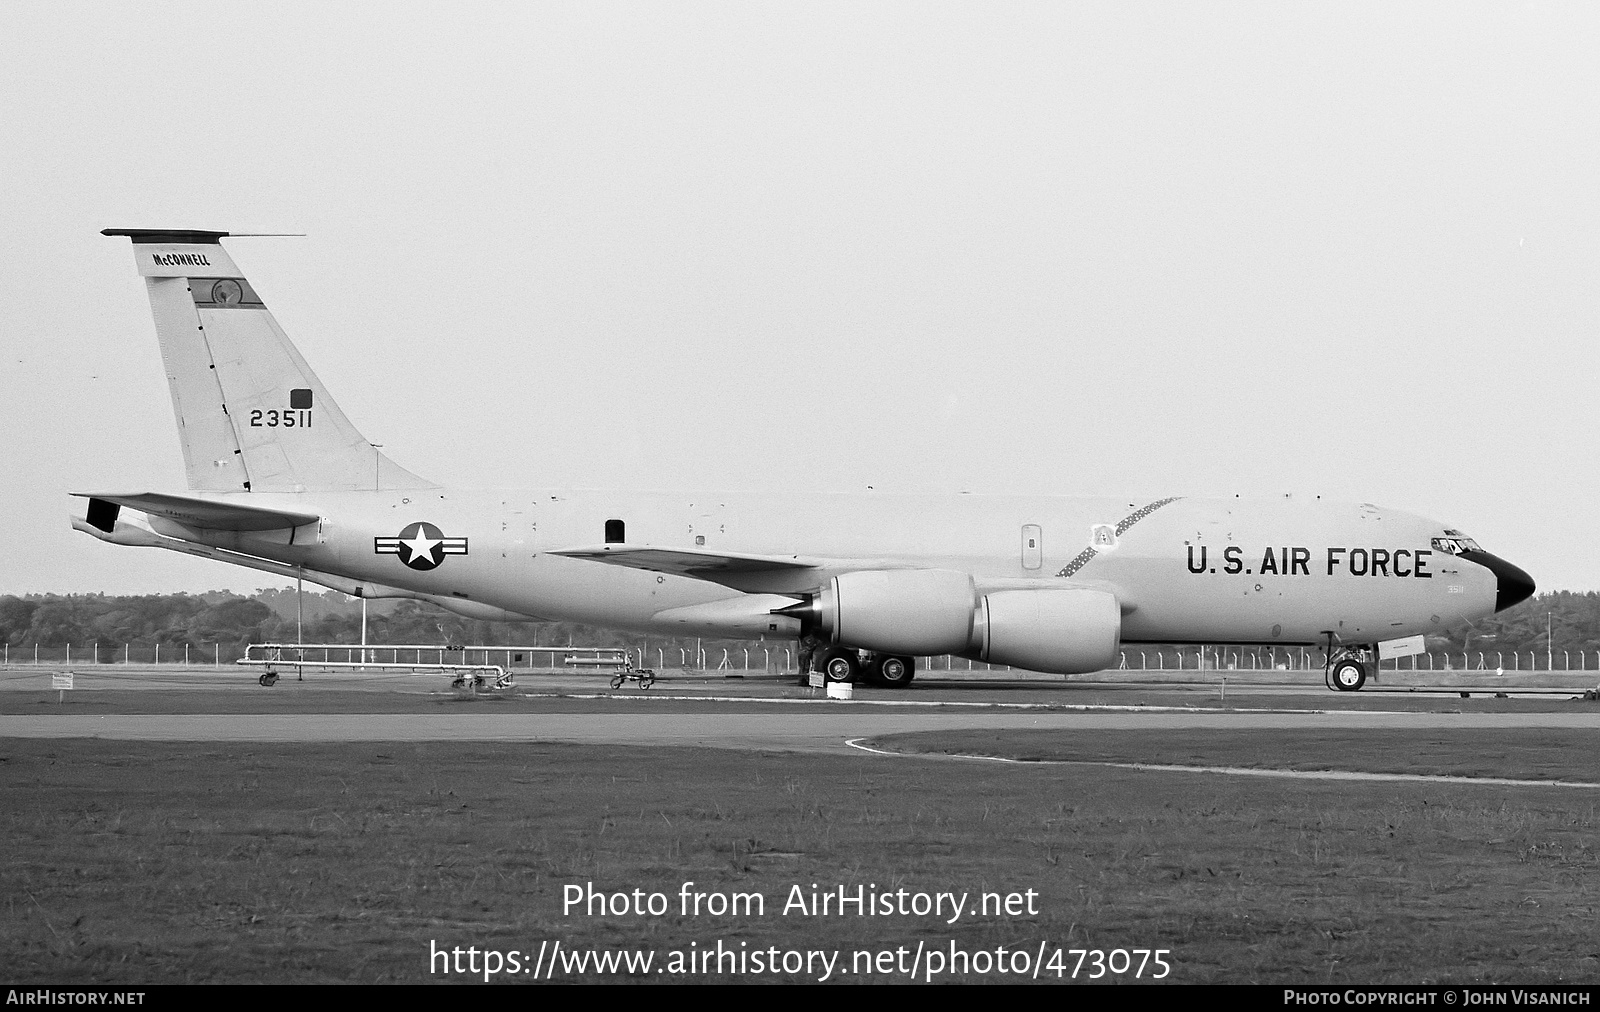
(1066, 631)
(899, 611)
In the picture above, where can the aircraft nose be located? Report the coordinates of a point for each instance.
(1513, 586)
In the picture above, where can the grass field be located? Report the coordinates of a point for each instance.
(1544, 754)
(154, 862)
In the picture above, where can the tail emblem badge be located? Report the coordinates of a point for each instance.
(421, 546)
(227, 293)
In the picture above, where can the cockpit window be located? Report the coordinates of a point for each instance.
(1455, 544)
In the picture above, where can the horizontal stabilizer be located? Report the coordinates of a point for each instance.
(136, 533)
(685, 561)
(205, 514)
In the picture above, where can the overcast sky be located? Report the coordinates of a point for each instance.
(1141, 250)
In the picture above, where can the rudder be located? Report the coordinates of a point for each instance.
(251, 414)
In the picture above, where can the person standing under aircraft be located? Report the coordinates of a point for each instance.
(808, 649)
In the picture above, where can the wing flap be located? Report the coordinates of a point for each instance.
(205, 514)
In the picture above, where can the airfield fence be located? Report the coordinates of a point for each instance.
(763, 657)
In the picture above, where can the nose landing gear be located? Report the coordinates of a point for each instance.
(1346, 670)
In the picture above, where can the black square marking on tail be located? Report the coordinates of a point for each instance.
(300, 398)
(103, 515)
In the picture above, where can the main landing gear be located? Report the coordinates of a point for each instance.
(844, 664)
(891, 672)
(840, 665)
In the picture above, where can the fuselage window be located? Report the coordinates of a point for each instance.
(614, 532)
(1455, 544)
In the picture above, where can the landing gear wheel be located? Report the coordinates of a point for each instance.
(894, 672)
(1349, 675)
(841, 666)
(268, 680)
(871, 672)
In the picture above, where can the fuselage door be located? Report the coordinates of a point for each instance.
(1032, 546)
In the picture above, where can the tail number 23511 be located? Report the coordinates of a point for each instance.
(274, 418)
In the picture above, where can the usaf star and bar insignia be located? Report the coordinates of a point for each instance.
(421, 546)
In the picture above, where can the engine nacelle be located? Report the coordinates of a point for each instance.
(1067, 631)
(917, 612)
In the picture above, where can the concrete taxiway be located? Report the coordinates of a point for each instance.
(956, 685)
(703, 710)
(825, 729)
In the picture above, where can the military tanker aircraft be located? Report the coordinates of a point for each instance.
(281, 481)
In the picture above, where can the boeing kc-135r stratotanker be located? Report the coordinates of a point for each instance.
(281, 481)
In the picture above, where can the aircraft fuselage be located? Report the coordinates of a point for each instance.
(1283, 571)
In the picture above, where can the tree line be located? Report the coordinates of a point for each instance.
(223, 624)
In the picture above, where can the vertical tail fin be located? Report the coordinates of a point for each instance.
(252, 416)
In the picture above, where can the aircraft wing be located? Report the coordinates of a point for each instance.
(203, 514)
(685, 561)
